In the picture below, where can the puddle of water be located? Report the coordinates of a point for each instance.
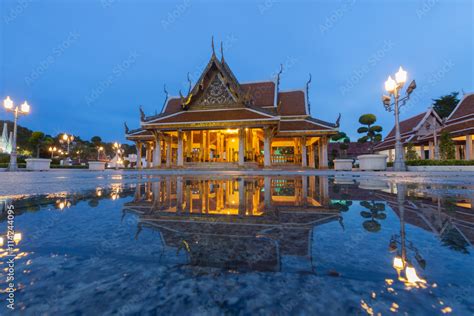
(290, 245)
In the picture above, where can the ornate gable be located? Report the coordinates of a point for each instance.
(217, 87)
(217, 93)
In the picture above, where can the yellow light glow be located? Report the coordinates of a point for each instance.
(398, 263)
(17, 238)
(411, 275)
(8, 103)
(401, 76)
(390, 84)
(25, 107)
(1, 242)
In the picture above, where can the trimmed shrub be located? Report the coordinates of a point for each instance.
(450, 162)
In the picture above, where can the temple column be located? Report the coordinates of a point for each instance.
(431, 150)
(304, 162)
(180, 159)
(139, 155)
(456, 152)
(157, 152)
(189, 144)
(208, 146)
(241, 146)
(221, 146)
(469, 153)
(422, 152)
(323, 153)
(168, 151)
(267, 134)
(148, 155)
(313, 156)
(202, 154)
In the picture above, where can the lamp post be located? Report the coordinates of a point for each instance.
(52, 150)
(99, 149)
(393, 87)
(68, 139)
(23, 109)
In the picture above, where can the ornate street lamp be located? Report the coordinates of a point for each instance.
(99, 149)
(52, 150)
(393, 87)
(67, 139)
(23, 109)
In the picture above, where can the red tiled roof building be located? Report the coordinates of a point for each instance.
(223, 121)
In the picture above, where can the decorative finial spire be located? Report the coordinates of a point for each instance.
(278, 76)
(307, 94)
(338, 120)
(190, 83)
(222, 52)
(142, 114)
(127, 130)
(212, 43)
(166, 98)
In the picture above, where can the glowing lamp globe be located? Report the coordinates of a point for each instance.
(390, 85)
(8, 103)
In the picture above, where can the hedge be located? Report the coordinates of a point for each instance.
(440, 163)
(6, 164)
(69, 167)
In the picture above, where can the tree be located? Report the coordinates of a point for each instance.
(447, 149)
(36, 140)
(343, 141)
(372, 132)
(411, 152)
(96, 140)
(446, 104)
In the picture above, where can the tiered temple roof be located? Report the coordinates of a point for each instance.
(218, 99)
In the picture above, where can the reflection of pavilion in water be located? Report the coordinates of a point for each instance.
(236, 223)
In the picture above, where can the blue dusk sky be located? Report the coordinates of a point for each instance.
(86, 65)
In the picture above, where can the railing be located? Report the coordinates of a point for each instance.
(285, 159)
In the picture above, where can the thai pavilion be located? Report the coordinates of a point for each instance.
(424, 130)
(221, 121)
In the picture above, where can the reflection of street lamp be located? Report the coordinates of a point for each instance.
(401, 263)
(393, 87)
(118, 151)
(23, 109)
